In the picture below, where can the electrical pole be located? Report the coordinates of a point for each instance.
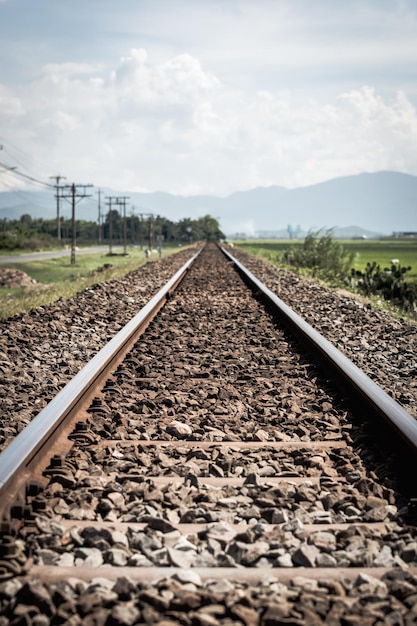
(110, 199)
(149, 216)
(58, 218)
(141, 231)
(121, 200)
(132, 226)
(71, 191)
(150, 233)
(100, 229)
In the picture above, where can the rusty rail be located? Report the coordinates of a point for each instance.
(47, 425)
(18, 460)
(371, 395)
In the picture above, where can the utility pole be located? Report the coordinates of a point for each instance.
(150, 236)
(100, 228)
(109, 202)
(132, 225)
(121, 200)
(71, 191)
(58, 218)
(150, 233)
(141, 231)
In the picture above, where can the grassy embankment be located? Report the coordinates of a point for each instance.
(366, 251)
(381, 251)
(57, 278)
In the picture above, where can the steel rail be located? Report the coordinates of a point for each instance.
(81, 392)
(15, 458)
(248, 575)
(377, 400)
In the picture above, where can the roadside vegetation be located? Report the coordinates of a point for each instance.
(37, 283)
(323, 256)
(385, 271)
(57, 278)
(26, 234)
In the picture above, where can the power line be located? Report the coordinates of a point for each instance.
(12, 150)
(7, 168)
(21, 194)
(31, 178)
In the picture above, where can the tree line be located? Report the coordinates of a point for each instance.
(29, 233)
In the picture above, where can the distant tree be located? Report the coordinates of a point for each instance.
(187, 230)
(210, 228)
(29, 232)
(205, 228)
(26, 219)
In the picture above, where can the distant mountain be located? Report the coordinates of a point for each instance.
(378, 203)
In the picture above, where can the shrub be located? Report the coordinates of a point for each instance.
(389, 283)
(14, 240)
(325, 257)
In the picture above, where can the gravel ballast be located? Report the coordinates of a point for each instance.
(242, 384)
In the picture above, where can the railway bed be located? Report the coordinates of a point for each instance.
(216, 475)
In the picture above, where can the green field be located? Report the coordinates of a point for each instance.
(381, 251)
(57, 278)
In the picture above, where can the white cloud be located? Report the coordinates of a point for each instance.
(174, 126)
(179, 79)
(11, 104)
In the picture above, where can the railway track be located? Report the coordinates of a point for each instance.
(212, 472)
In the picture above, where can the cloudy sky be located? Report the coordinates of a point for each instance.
(207, 96)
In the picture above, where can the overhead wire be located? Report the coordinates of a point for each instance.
(23, 158)
(22, 195)
(15, 172)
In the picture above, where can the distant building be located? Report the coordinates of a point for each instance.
(410, 234)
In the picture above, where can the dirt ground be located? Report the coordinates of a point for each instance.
(13, 278)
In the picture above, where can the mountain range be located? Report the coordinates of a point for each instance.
(368, 204)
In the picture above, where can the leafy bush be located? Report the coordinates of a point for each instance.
(325, 257)
(14, 240)
(389, 283)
